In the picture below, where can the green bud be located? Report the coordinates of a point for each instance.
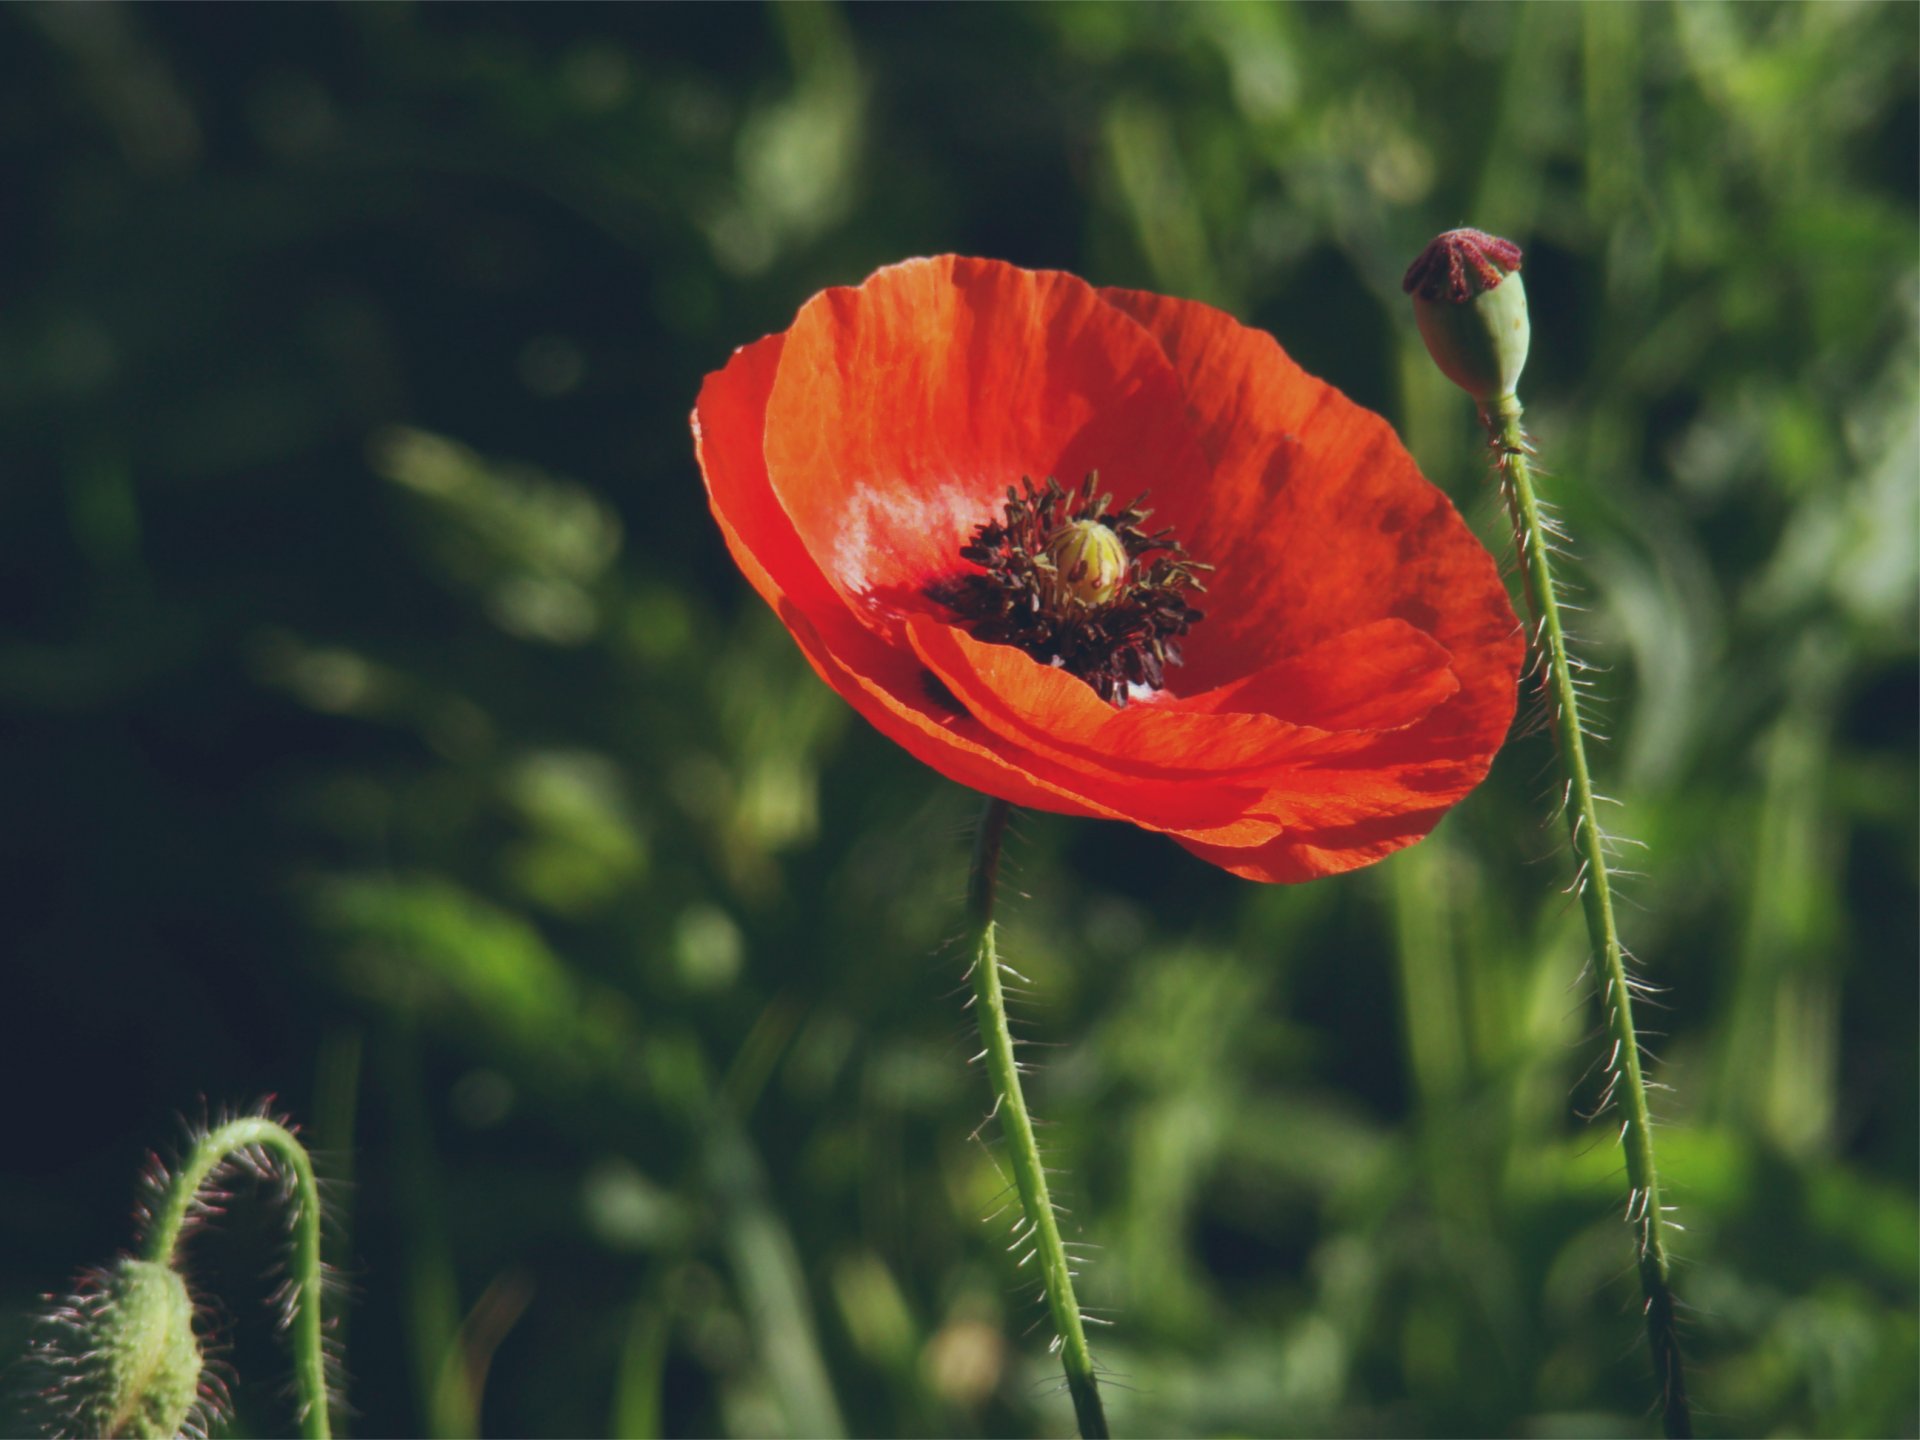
(1089, 563)
(1471, 307)
(148, 1358)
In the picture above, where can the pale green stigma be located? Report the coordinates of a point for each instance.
(1090, 564)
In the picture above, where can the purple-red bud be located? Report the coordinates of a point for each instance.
(1459, 265)
(1472, 310)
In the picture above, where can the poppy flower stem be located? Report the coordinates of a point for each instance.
(1030, 1177)
(1626, 1086)
(253, 1139)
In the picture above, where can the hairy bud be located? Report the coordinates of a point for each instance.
(123, 1357)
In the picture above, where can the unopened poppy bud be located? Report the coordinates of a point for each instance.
(145, 1360)
(1089, 562)
(1471, 307)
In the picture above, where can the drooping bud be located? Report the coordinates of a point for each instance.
(123, 1356)
(1471, 307)
(151, 1355)
(1089, 563)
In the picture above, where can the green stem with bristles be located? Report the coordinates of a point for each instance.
(1626, 1085)
(211, 1151)
(1030, 1177)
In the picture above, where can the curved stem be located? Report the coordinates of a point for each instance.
(213, 1149)
(1625, 1085)
(1030, 1177)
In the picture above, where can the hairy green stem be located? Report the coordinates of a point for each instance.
(255, 1132)
(1626, 1086)
(1030, 1177)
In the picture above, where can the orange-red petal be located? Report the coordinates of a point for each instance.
(905, 408)
(1288, 859)
(1315, 516)
(1319, 521)
(877, 679)
(884, 682)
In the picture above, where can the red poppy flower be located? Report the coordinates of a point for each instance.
(1293, 668)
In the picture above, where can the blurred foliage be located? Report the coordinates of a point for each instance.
(387, 729)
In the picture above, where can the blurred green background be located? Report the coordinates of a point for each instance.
(386, 729)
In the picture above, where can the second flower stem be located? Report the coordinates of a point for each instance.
(253, 1134)
(1626, 1086)
(1041, 1232)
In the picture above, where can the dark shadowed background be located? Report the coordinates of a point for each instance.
(383, 726)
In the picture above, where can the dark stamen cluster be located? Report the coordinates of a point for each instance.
(1127, 639)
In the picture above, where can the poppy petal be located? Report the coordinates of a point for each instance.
(878, 693)
(1219, 737)
(905, 408)
(1288, 859)
(1186, 774)
(728, 420)
(1382, 676)
(885, 683)
(1318, 520)
(1228, 779)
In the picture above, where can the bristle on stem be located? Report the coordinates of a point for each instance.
(1023, 1152)
(1535, 537)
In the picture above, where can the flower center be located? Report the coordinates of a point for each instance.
(1074, 582)
(1089, 564)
